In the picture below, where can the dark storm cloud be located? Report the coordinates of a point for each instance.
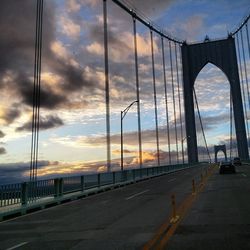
(17, 48)
(17, 172)
(48, 98)
(2, 134)
(10, 114)
(17, 26)
(96, 33)
(73, 77)
(2, 151)
(45, 123)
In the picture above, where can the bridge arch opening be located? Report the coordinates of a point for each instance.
(221, 156)
(213, 95)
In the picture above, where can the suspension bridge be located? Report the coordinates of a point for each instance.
(180, 202)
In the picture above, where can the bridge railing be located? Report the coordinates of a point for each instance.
(29, 192)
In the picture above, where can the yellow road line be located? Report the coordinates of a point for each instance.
(167, 229)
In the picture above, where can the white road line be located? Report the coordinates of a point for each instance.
(132, 196)
(172, 179)
(16, 246)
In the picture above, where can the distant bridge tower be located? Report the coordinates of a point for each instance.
(218, 148)
(221, 53)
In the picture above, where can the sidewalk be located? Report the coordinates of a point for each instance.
(220, 216)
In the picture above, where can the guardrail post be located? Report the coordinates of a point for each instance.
(99, 179)
(82, 183)
(58, 186)
(133, 174)
(113, 177)
(147, 171)
(61, 186)
(24, 193)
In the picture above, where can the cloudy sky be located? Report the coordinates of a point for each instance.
(72, 116)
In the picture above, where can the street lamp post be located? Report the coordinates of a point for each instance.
(123, 114)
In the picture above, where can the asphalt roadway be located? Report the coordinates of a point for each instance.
(129, 217)
(219, 218)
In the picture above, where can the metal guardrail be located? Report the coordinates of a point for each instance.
(27, 193)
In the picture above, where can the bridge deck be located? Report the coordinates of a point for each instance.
(129, 217)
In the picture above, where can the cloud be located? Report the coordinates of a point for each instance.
(121, 44)
(48, 98)
(91, 3)
(59, 50)
(189, 28)
(95, 48)
(19, 171)
(69, 28)
(151, 8)
(2, 134)
(2, 151)
(47, 122)
(17, 43)
(73, 6)
(148, 135)
(17, 58)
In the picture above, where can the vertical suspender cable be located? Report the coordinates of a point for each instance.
(182, 99)
(231, 125)
(39, 83)
(172, 78)
(246, 76)
(155, 100)
(166, 97)
(179, 98)
(34, 99)
(245, 68)
(137, 94)
(242, 82)
(36, 92)
(106, 62)
(202, 129)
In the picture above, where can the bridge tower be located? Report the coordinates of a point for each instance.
(221, 53)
